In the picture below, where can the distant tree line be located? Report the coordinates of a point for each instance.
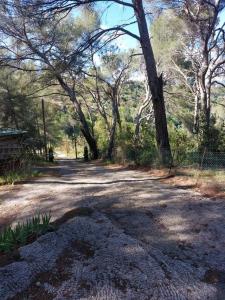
(62, 47)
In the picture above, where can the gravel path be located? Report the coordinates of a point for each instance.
(143, 240)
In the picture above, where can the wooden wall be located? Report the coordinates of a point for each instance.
(9, 147)
(10, 150)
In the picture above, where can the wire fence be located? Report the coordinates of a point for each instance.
(16, 157)
(206, 160)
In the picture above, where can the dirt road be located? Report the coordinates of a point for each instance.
(172, 239)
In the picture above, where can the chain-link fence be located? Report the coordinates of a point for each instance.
(206, 160)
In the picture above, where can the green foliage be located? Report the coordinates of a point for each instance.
(62, 41)
(124, 144)
(143, 153)
(168, 34)
(131, 93)
(11, 177)
(21, 109)
(101, 135)
(181, 142)
(16, 172)
(213, 138)
(146, 151)
(12, 238)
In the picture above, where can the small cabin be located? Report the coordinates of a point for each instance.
(10, 147)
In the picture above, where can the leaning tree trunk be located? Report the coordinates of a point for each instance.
(86, 131)
(155, 85)
(83, 123)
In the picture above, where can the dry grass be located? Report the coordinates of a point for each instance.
(210, 189)
(210, 183)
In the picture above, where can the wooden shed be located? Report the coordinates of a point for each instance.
(10, 147)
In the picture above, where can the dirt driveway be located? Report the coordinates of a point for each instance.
(181, 235)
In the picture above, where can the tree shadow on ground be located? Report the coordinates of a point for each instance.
(177, 267)
(177, 228)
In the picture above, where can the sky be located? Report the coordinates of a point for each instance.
(117, 14)
(222, 17)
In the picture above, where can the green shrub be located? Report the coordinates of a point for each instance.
(182, 143)
(102, 136)
(213, 138)
(124, 149)
(142, 152)
(146, 150)
(145, 158)
(11, 237)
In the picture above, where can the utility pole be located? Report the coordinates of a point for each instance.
(44, 127)
(75, 146)
(75, 140)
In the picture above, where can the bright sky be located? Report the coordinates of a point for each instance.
(222, 17)
(118, 14)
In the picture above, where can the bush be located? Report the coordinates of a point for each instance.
(142, 153)
(182, 143)
(212, 138)
(146, 158)
(146, 150)
(101, 136)
(124, 150)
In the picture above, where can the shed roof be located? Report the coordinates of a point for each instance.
(10, 132)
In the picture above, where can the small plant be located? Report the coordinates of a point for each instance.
(11, 238)
(14, 176)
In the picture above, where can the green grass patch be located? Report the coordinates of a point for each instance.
(14, 237)
(11, 177)
(43, 163)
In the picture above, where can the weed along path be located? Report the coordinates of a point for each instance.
(122, 235)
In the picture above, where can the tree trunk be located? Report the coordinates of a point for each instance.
(111, 140)
(86, 131)
(207, 107)
(207, 111)
(196, 114)
(155, 85)
(138, 117)
(207, 120)
(115, 116)
(205, 101)
(138, 120)
(84, 125)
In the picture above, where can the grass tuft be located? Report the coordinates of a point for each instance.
(14, 176)
(12, 238)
